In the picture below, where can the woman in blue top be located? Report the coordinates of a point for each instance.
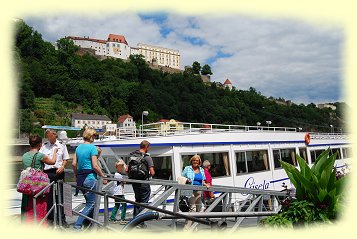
(86, 169)
(195, 176)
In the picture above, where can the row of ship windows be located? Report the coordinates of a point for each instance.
(246, 161)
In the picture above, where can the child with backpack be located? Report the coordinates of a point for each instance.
(118, 191)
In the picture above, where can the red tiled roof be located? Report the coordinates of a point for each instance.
(117, 38)
(123, 118)
(164, 120)
(227, 82)
(87, 39)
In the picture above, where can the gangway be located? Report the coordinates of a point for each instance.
(237, 204)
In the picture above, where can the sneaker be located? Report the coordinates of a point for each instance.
(77, 229)
(123, 222)
(113, 220)
(141, 226)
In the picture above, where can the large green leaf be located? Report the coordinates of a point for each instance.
(316, 168)
(291, 172)
(300, 182)
(322, 195)
(340, 185)
(304, 167)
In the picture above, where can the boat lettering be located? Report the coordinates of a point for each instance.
(250, 183)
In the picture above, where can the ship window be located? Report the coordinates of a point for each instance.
(252, 161)
(257, 160)
(110, 162)
(241, 163)
(303, 153)
(315, 154)
(286, 155)
(347, 152)
(219, 163)
(162, 166)
(337, 151)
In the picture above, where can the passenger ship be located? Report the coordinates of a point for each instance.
(241, 156)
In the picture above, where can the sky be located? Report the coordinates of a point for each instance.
(279, 57)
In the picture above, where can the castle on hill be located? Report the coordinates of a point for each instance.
(117, 46)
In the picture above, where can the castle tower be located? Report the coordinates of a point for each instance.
(228, 84)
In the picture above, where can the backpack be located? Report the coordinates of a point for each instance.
(184, 204)
(138, 167)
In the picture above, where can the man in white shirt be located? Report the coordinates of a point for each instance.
(55, 172)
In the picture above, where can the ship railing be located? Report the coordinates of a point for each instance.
(234, 209)
(177, 128)
(126, 132)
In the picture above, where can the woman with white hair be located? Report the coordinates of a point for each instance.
(208, 196)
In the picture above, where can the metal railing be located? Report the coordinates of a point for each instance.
(178, 128)
(254, 204)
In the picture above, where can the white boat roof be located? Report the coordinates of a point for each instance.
(183, 134)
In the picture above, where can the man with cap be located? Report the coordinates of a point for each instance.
(55, 172)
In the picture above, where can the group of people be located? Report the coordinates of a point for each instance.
(52, 157)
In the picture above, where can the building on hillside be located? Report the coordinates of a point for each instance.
(109, 129)
(126, 121)
(160, 55)
(96, 121)
(228, 84)
(326, 105)
(169, 126)
(116, 46)
(99, 46)
(283, 102)
(126, 126)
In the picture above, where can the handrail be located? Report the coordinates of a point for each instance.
(173, 186)
(34, 202)
(178, 128)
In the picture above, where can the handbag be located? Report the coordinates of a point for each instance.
(32, 180)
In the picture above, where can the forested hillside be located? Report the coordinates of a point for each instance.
(55, 83)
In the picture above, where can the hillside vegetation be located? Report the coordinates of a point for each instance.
(55, 83)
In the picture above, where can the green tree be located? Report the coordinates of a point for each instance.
(196, 67)
(66, 50)
(206, 70)
(25, 121)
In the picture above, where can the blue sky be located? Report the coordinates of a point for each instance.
(279, 57)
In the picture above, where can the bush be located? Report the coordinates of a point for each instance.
(298, 213)
(319, 193)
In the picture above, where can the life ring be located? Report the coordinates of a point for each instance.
(307, 138)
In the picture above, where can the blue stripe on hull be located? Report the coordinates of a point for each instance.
(217, 143)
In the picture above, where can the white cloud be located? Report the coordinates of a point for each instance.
(279, 57)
